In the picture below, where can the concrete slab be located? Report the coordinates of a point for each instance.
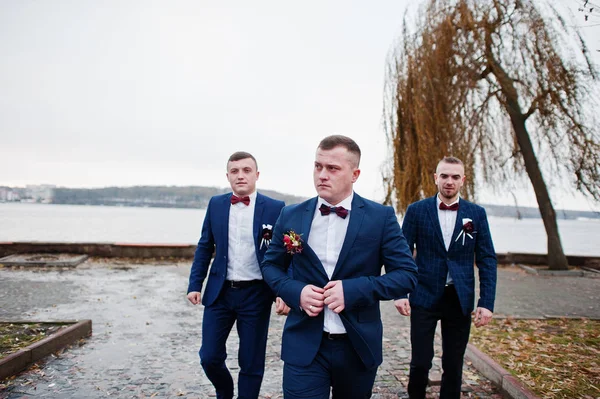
(43, 260)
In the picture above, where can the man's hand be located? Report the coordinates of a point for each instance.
(403, 306)
(334, 296)
(281, 308)
(311, 300)
(482, 317)
(194, 297)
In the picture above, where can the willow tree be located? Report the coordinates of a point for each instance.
(502, 85)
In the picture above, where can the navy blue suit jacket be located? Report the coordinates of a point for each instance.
(421, 227)
(215, 232)
(373, 239)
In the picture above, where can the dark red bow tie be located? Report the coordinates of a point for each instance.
(453, 207)
(339, 210)
(235, 199)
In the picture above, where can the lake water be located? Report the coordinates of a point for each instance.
(75, 223)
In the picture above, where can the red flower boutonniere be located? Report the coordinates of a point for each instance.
(292, 242)
(467, 230)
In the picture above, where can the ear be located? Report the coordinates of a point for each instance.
(257, 174)
(435, 178)
(355, 175)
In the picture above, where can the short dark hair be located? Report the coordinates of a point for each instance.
(239, 155)
(452, 160)
(337, 140)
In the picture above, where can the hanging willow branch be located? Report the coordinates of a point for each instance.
(469, 78)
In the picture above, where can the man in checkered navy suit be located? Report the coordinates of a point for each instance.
(450, 235)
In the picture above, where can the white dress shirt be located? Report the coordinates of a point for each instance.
(447, 222)
(242, 263)
(327, 234)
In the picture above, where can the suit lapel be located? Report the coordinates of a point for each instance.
(226, 207)
(307, 218)
(433, 214)
(357, 214)
(258, 216)
(463, 209)
(314, 259)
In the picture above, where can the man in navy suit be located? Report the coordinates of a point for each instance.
(239, 225)
(336, 244)
(450, 236)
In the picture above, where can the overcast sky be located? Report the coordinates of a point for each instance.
(122, 93)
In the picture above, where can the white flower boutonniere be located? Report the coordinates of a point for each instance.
(467, 229)
(267, 235)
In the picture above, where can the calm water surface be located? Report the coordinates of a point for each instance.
(75, 223)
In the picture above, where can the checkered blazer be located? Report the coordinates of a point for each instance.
(422, 230)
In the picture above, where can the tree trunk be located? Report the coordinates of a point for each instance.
(556, 256)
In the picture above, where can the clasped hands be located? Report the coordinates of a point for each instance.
(313, 299)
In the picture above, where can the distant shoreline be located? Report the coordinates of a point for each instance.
(508, 211)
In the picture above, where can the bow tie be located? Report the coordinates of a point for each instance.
(338, 210)
(235, 199)
(453, 207)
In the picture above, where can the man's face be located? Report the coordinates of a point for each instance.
(242, 176)
(449, 178)
(334, 174)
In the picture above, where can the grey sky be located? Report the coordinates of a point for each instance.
(104, 93)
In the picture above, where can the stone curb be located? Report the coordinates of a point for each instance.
(555, 273)
(16, 260)
(510, 385)
(20, 360)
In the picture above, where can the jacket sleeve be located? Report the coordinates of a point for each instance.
(400, 276)
(409, 229)
(203, 254)
(485, 259)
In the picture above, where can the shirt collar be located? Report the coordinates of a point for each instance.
(346, 203)
(253, 196)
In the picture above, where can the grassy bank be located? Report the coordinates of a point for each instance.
(554, 358)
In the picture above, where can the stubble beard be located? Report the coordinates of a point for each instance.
(453, 193)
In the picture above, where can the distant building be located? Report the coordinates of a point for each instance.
(8, 194)
(40, 193)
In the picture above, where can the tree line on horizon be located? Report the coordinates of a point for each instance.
(151, 196)
(198, 197)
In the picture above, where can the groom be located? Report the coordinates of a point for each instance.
(239, 226)
(336, 244)
(450, 236)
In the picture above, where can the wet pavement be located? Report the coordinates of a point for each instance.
(146, 335)
(525, 295)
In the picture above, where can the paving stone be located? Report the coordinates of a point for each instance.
(146, 335)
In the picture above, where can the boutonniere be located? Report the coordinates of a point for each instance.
(267, 235)
(467, 229)
(292, 242)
